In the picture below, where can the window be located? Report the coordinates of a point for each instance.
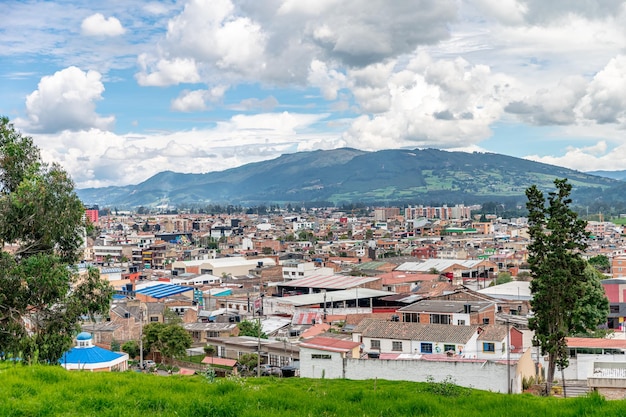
(489, 347)
(426, 347)
(210, 333)
(486, 320)
(460, 322)
(154, 319)
(439, 319)
(449, 348)
(375, 344)
(396, 346)
(411, 318)
(320, 356)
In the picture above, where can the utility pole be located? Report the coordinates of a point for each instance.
(140, 337)
(508, 356)
(258, 349)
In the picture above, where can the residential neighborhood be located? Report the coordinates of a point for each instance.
(403, 293)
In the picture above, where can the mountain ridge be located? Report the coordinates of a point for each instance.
(348, 175)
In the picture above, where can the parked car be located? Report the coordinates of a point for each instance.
(268, 370)
(148, 364)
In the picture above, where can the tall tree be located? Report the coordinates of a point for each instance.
(43, 297)
(566, 298)
(169, 340)
(251, 328)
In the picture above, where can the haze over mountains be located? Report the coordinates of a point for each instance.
(420, 176)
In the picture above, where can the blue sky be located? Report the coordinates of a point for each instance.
(117, 91)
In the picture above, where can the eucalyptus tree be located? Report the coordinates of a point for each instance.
(43, 297)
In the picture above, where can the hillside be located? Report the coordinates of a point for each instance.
(349, 175)
(53, 391)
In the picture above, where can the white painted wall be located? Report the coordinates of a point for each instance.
(320, 368)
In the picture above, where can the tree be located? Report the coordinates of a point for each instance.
(600, 262)
(503, 278)
(132, 348)
(169, 340)
(566, 298)
(43, 297)
(210, 350)
(251, 328)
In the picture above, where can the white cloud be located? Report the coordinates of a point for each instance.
(197, 100)
(430, 103)
(96, 158)
(66, 100)
(167, 72)
(605, 101)
(329, 81)
(98, 25)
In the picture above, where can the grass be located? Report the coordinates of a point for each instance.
(53, 391)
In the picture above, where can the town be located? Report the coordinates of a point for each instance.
(407, 293)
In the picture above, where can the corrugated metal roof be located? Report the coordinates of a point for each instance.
(333, 296)
(338, 282)
(163, 290)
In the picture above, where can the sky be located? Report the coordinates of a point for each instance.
(119, 90)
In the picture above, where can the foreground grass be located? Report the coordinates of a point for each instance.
(52, 391)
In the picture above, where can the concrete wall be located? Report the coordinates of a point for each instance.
(481, 375)
(477, 374)
(581, 367)
(321, 368)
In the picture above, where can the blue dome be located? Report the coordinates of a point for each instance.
(83, 336)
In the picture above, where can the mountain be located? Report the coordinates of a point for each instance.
(616, 175)
(349, 175)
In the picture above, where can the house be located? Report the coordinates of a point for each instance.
(201, 332)
(493, 340)
(615, 290)
(378, 337)
(458, 313)
(323, 357)
(85, 356)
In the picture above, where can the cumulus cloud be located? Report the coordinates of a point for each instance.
(167, 72)
(578, 101)
(197, 100)
(98, 25)
(66, 100)
(439, 103)
(291, 42)
(605, 101)
(97, 158)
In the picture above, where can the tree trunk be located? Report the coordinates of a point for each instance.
(550, 373)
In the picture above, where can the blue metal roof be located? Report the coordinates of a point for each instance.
(89, 355)
(163, 290)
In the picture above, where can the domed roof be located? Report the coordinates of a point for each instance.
(83, 336)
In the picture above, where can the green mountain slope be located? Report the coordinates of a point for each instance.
(350, 175)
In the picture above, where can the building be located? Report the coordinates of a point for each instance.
(85, 356)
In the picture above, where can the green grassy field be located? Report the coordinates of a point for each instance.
(52, 391)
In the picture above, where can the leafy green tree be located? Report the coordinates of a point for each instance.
(601, 263)
(210, 350)
(132, 348)
(170, 340)
(248, 361)
(567, 298)
(251, 328)
(42, 219)
(503, 278)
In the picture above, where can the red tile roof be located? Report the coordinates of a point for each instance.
(211, 360)
(588, 342)
(330, 344)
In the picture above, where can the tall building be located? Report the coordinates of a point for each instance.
(92, 215)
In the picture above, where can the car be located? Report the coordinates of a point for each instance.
(148, 364)
(268, 370)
